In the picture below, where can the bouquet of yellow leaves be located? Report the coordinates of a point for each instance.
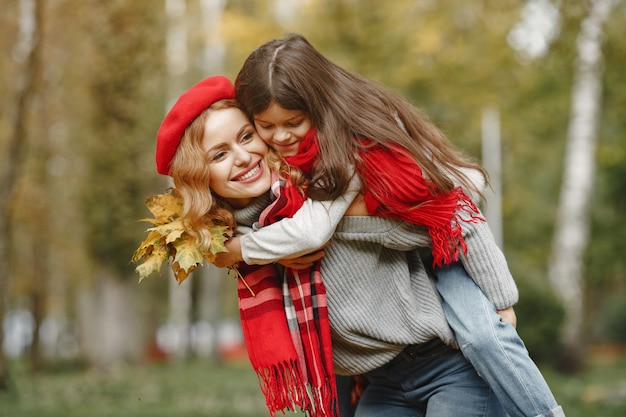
(168, 241)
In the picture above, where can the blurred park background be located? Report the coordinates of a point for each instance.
(535, 89)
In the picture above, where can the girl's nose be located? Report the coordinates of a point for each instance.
(282, 135)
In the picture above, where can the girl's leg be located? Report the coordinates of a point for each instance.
(428, 380)
(493, 347)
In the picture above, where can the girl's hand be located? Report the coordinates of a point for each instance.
(508, 315)
(304, 261)
(230, 258)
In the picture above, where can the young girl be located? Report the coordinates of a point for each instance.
(411, 172)
(397, 322)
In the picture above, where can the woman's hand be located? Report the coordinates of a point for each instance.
(508, 315)
(304, 261)
(230, 258)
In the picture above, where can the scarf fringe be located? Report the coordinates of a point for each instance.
(285, 389)
(323, 400)
(448, 241)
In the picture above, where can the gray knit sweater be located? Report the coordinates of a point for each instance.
(381, 297)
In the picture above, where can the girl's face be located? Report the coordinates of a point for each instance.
(282, 129)
(238, 170)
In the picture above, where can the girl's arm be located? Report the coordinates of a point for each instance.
(484, 262)
(310, 228)
(487, 266)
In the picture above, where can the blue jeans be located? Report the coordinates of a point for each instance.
(428, 380)
(493, 347)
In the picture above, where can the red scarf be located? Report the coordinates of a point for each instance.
(393, 186)
(286, 327)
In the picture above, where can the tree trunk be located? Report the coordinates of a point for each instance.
(109, 320)
(211, 278)
(176, 48)
(38, 295)
(180, 296)
(214, 52)
(492, 162)
(27, 55)
(179, 316)
(572, 224)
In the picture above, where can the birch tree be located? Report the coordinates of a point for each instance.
(27, 55)
(180, 299)
(211, 278)
(572, 221)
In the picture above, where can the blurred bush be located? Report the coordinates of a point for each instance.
(539, 317)
(613, 327)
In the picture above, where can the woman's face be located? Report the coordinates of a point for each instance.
(282, 129)
(238, 170)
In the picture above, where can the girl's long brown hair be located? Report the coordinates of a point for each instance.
(343, 106)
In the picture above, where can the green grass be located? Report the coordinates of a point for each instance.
(197, 388)
(190, 389)
(600, 391)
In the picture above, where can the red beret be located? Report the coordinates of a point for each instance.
(188, 106)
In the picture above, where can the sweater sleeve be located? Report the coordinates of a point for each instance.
(484, 262)
(389, 233)
(309, 229)
(486, 265)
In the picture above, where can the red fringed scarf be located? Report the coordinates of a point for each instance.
(286, 327)
(395, 187)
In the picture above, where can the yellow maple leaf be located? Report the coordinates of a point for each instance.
(181, 274)
(187, 256)
(168, 240)
(147, 246)
(187, 253)
(174, 235)
(165, 207)
(152, 263)
(174, 227)
(219, 236)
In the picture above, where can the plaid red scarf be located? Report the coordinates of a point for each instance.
(393, 186)
(286, 327)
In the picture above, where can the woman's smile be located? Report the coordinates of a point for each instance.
(251, 175)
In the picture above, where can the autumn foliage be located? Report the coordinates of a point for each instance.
(169, 241)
